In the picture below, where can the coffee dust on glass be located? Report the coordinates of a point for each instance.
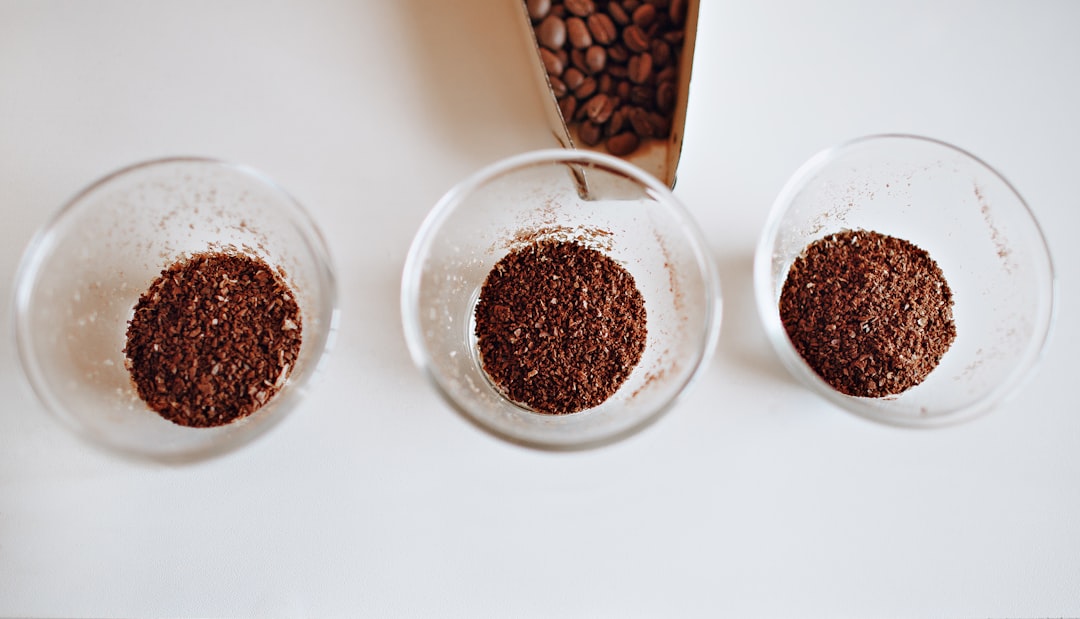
(613, 66)
(870, 313)
(213, 339)
(559, 326)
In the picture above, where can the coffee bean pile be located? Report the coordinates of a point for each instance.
(613, 65)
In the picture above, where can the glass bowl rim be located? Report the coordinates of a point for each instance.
(443, 209)
(38, 248)
(862, 407)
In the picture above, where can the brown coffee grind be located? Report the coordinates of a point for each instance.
(213, 339)
(613, 66)
(870, 313)
(559, 326)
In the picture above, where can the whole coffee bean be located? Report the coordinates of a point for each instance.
(617, 122)
(635, 38)
(552, 64)
(617, 71)
(567, 107)
(668, 74)
(600, 108)
(642, 95)
(593, 105)
(644, 15)
(622, 144)
(675, 37)
(590, 133)
(577, 58)
(551, 32)
(595, 58)
(659, 124)
(603, 29)
(578, 33)
(605, 114)
(677, 12)
(639, 120)
(572, 77)
(605, 84)
(564, 57)
(581, 8)
(558, 87)
(661, 53)
(666, 94)
(630, 5)
(618, 53)
(586, 89)
(538, 9)
(618, 15)
(623, 89)
(640, 68)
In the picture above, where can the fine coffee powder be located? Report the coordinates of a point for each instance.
(870, 313)
(613, 66)
(559, 326)
(213, 339)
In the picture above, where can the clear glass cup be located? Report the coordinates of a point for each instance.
(81, 276)
(562, 194)
(969, 219)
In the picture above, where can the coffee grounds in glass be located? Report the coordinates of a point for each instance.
(213, 339)
(559, 326)
(870, 313)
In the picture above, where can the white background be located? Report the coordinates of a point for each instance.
(751, 498)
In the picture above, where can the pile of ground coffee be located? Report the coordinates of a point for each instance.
(613, 65)
(213, 339)
(559, 326)
(870, 313)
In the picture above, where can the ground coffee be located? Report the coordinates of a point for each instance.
(613, 65)
(870, 313)
(559, 326)
(213, 339)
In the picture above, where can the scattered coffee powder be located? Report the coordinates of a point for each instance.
(213, 339)
(613, 66)
(559, 326)
(870, 313)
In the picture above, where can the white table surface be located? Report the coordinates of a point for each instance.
(751, 498)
